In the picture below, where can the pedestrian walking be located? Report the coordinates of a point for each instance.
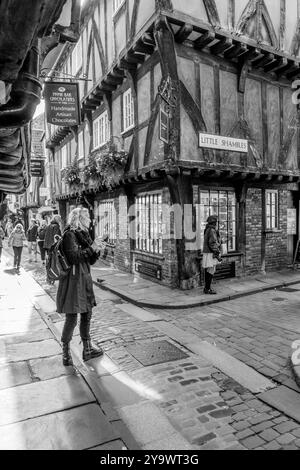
(2, 236)
(52, 230)
(16, 240)
(9, 228)
(75, 291)
(41, 240)
(211, 252)
(32, 233)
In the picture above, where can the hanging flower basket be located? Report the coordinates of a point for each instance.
(106, 166)
(71, 174)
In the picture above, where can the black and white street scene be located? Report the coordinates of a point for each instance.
(149, 227)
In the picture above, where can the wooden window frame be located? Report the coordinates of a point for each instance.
(274, 210)
(148, 217)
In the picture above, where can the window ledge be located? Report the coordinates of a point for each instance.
(131, 128)
(272, 230)
(101, 146)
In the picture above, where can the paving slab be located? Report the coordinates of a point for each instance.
(25, 351)
(39, 398)
(138, 312)
(45, 303)
(76, 429)
(157, 428)
(121, 390)
(283, 399)
(29, 337)
(49, 367)
(21, 326)
(14, 374)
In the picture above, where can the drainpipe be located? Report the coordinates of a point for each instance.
(25, 93)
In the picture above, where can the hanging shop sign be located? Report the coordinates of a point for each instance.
(37, 167)
(223, 143)
(62, 103)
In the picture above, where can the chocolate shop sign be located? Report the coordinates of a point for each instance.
(62, 103)
(223, 143)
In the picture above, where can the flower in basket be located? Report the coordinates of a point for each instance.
(105, 164)
(71, 173)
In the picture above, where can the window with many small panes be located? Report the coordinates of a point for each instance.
(222, 204)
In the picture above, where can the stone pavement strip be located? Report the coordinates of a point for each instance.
(198, 405)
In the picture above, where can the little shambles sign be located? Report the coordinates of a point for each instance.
(62, 103)
(223, 143)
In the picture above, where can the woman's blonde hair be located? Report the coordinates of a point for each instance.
(76, 217)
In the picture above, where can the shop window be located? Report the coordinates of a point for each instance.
(222, 204)
(128, 110)
(272, 219)
(101, 130)
(149, 223)
(106, 221)
(117, 5)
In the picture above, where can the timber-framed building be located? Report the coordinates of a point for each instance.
(168, 81)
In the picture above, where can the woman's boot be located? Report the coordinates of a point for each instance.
(67, 358)
(89, 351)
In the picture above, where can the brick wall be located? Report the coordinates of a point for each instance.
(253, 231)
(276, 242)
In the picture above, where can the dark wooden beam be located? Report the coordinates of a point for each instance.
(124, 64)
(236, 51)
(253, 54)
(113, 80)
(263, 61)
(204, 40)
(222, 46)
(290, 67)
(93, 102)
(135, 58)
(276, 65)
(294, 73)
(89, 107)
(95, 97)
(104, 87)
(184, 32)
(148, 39)
(143, 48)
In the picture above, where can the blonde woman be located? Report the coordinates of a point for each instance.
(16, 240)
(75, 291)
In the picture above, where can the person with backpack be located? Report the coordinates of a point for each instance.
(52, 230)
(32, 240)
(16, 240)
(75, 290)
(41, 240)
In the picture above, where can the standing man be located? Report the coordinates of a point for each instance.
(211, 252)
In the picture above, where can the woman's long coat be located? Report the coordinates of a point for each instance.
(75, 291)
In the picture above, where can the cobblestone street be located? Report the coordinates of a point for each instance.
(208, 408)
